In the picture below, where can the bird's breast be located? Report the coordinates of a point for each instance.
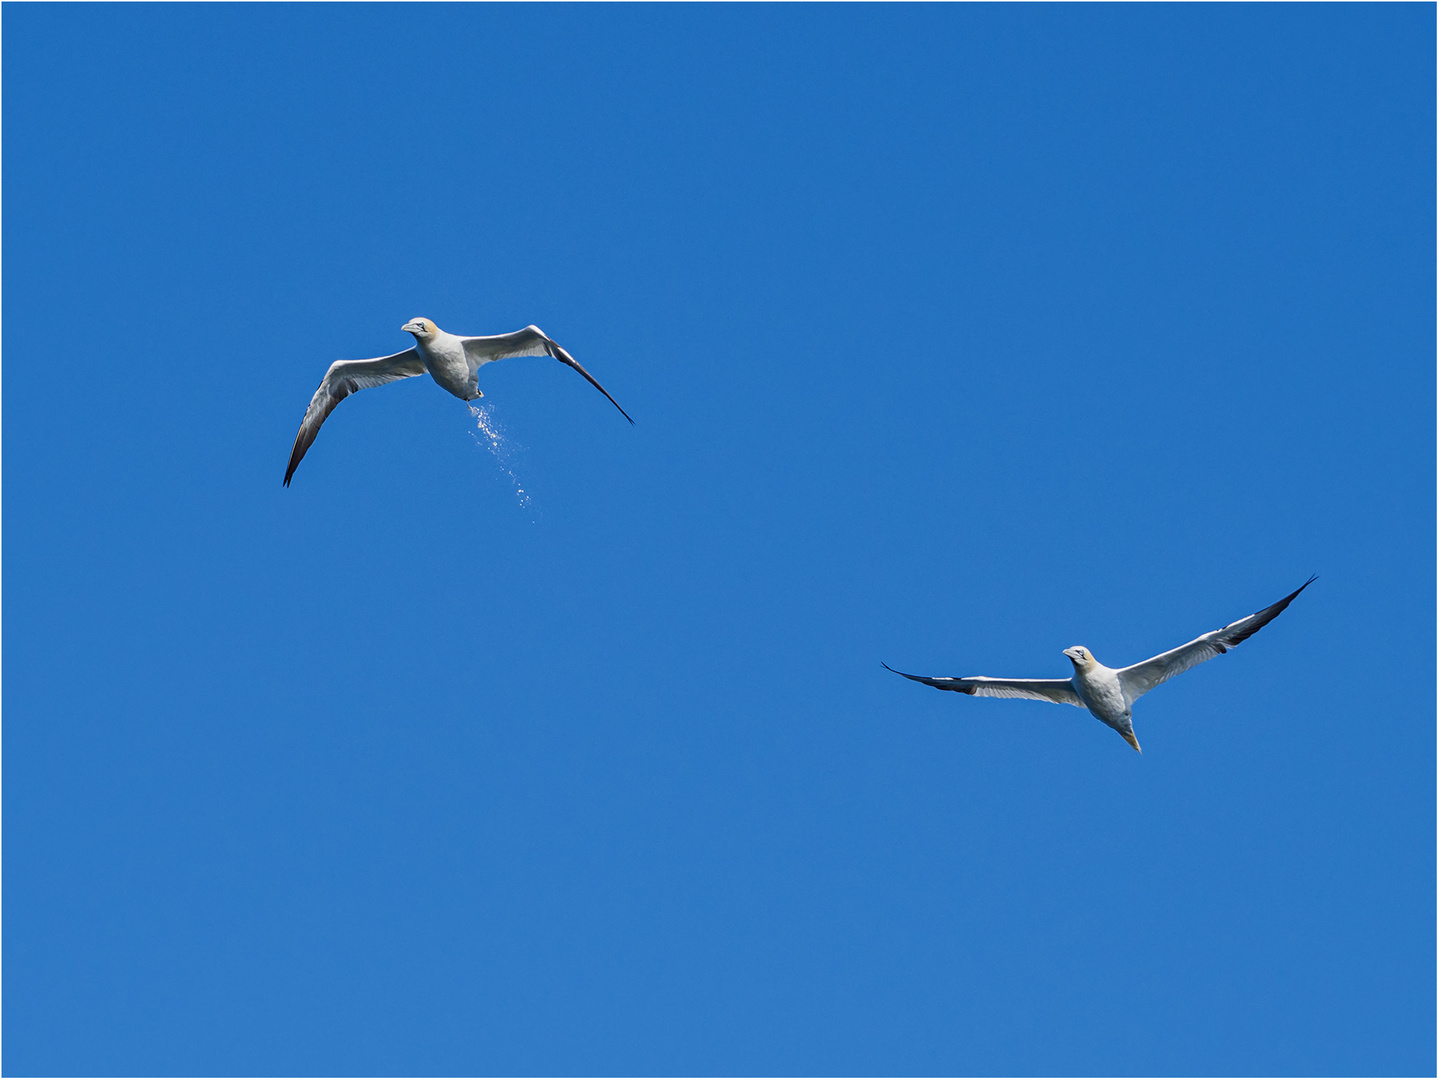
(1103, 695)
(448, 367)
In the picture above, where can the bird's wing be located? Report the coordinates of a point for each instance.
(531, 341)
(342, 380)
(1139, 679)
(1059, 691)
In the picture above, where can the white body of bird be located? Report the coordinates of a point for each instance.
(1101, 690)
(444, 358)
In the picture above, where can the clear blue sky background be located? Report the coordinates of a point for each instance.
(955, 336)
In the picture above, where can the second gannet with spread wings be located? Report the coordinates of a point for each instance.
(453, 362)
(1109, 693)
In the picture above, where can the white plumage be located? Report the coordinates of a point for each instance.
(1110, 693)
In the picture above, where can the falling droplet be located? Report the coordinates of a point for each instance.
(501, 448)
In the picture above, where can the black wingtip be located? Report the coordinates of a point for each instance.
(569, 361)
(1266, 615)
(1282, 604)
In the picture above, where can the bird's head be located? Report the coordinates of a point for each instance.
(423, 329)
(1081, 657)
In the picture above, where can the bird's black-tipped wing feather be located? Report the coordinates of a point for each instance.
(531, 341)
(1139, 679)
(1059, 691)
(342, 380)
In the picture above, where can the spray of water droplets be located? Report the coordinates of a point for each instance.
(491, 436)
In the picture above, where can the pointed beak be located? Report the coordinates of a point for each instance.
(1131, 740)
(412, 328)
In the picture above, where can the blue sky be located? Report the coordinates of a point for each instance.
(954, 336)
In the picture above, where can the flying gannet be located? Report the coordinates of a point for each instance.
(1106, 692)
(453, 362)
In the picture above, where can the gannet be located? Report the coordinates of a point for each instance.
(1110, 693)
(453, 362)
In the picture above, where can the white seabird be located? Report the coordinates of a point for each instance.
(453, 362)
(1109, 693)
